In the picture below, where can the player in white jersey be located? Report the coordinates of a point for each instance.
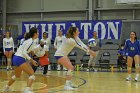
(8, 48)
(46, 40)
(57, 43)
(58, 39)
(72, 40)
(21, 61)
(41, 50)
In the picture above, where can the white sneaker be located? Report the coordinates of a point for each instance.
(7, 68)
(136, 79)
(95, 70)
(58, 67)
(6, 89)
(87, 70)
(66, 87)
(73, 85)
(11, 68)
(27, 90)
(128, 78)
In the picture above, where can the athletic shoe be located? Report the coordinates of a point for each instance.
(136, 79)
(73, 85)
(128, 78)
(11, 68)
(88, 70)
(6, 89)
(7, 68)
(27, 90)
(95, 70)
(66, 87)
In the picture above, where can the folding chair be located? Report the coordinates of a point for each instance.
(84, 62)
(104, 61)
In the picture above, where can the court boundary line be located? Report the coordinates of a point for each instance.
(84, 82)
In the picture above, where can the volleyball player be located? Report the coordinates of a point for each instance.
(21, 61)
(58, 39)
(58, 42)
(46, 40)
(133, 49)
(41, 50)
(8, 48)
(72, 40)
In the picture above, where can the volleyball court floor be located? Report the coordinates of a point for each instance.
(88, 82)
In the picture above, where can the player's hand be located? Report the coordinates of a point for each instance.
(34, 62)
(92, 53)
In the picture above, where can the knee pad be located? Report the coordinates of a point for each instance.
(70, 73)
(129, 68)
(9, 59)
(32, 77)
(13, 77)
(136, 66)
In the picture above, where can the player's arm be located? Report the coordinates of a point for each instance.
(80, 42)
(55, 43)
(13, 44)
(25, 53)
(47, 51)
(125, 47)
(81, 46)
(49, 42)
(4, 44)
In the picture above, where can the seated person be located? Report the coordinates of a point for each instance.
(121, 58)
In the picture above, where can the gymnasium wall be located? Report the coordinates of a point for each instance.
(0, 11)
(54, 10)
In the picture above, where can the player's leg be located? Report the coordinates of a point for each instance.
(66, 62)
(6, 53)
(45, 70)
(26, 67)
(136, 59)
(94, 61)
(90, 62)
(129, 67)
(9, 58)
(17, 74)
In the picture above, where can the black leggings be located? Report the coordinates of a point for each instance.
(44, 71)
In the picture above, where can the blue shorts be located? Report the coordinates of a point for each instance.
(8, 49)
(17, 60)
(132, 54)
(58, 57)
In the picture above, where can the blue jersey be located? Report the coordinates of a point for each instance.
(121, 52)
(132, 48)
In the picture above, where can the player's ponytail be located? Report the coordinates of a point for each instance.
(27, 36)
(70, 32)
(32, 31)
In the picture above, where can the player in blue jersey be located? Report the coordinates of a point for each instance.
(132, 47)
(21, 61)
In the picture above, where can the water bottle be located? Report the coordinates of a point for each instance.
(112, 68)
(77, 67)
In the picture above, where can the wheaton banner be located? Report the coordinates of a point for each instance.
(106, 29)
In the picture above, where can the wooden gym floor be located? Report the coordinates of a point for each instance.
(88, 82)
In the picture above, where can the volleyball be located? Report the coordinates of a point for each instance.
(92, 42)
